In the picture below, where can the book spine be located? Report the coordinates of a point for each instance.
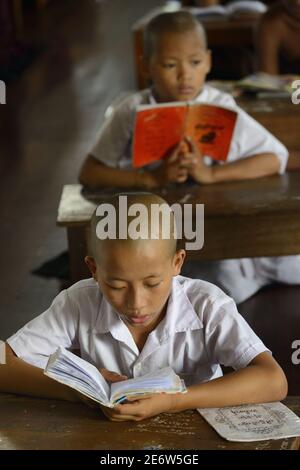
(186, 121)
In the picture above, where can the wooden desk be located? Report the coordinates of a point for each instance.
(222, 33)
(242, 219)
(279, 115)
(31, 423)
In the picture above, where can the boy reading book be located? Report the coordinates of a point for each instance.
(138, 315)
(69, 369)
(158, 128)
(178, 61)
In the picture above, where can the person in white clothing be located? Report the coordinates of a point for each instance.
(137, 315)
(178, 62)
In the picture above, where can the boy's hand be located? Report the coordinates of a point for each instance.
(136, 409)
(170, 170)
(192, 160)
(111, 376)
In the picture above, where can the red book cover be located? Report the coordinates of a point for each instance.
(160, 128)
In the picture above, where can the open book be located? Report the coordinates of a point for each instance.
(160, 127)
(234, 9)
(71, 370)
(264, 82)
(247, 423)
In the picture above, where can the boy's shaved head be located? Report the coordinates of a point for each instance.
(157, 230)
(177, 23)
(135, 275)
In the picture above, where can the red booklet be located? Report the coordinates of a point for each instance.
(158, 128)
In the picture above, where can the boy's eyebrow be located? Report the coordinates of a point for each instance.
(125, 280)
(196, 54)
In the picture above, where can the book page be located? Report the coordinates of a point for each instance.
(157, 131)
(247, 423)
(163, 380)
(212, 128)
(69, 369)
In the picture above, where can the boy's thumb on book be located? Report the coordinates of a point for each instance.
(112, 376)
(184, 145)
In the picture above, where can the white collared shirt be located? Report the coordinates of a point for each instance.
(201, 330)
(114, 142)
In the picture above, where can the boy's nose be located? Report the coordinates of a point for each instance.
(184, 72)
(135, 300)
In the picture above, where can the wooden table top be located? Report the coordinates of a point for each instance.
(31, 423)
(273, 194)
(241, 219)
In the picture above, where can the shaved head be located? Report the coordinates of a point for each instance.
(178, 22)
(132, 220)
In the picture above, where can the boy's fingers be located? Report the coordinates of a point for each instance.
(112, 376)
(184, 146)
(139, 397)
(113, 414)
(128, 409)
(174, 155)
(188, 158)
(192, 144)
(188, 164)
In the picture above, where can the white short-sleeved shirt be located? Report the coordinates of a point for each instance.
(114, 142)
(201, 330)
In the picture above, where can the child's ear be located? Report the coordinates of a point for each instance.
(178, 261)
(91, 264)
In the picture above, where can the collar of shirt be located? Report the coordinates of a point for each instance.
(180, 317)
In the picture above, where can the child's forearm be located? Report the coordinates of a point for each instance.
(94, 174)
(17, 376)
(256, 383)
(257, 166)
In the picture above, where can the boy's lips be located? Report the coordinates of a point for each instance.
(185, 90)
(139, 319)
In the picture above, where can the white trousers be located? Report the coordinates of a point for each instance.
(241, 278)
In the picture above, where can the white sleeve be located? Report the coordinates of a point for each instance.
(251, 138)
(39, 338)
(115, 135)
(229, 339)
